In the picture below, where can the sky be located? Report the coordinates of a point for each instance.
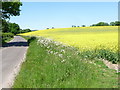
(42, 15)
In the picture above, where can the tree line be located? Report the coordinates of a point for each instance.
(8, 9)
(8, 27)
(11, 9)
(116, 23)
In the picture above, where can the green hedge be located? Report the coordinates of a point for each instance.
(6, 36)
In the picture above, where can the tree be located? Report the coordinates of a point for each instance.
(5, 26)
(52, 27)
(101, 24)
(112, 23)
(14, 28)
(117, 23)
(0, 25)
(10, 8)
(25, 30)
(93, 25)
(83, 26)
(106, 24)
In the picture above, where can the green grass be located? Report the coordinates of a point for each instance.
(50, 64)
(6, 37)
(9, 39)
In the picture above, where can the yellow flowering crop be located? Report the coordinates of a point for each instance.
(83, 37)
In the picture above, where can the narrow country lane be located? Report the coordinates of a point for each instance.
(13, 54)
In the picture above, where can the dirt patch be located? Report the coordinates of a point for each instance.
(111, 65)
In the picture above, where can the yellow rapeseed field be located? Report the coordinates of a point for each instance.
(84, 38)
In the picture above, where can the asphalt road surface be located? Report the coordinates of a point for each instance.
(13, 54)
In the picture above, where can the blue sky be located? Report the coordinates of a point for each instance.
(42, 15)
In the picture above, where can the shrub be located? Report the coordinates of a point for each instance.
(6, 36)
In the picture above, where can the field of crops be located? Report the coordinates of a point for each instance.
(100, 41)
(70, 58)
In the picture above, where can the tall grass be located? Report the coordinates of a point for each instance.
(51, 64)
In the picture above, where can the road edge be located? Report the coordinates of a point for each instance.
(15, 72)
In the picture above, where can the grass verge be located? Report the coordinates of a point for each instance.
(6, 37)
(8, 40)
(50, 64)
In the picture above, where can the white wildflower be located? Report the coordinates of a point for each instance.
(62, 51)
(63, 61)
(90, 62)
(55, 53)
(60, 55)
